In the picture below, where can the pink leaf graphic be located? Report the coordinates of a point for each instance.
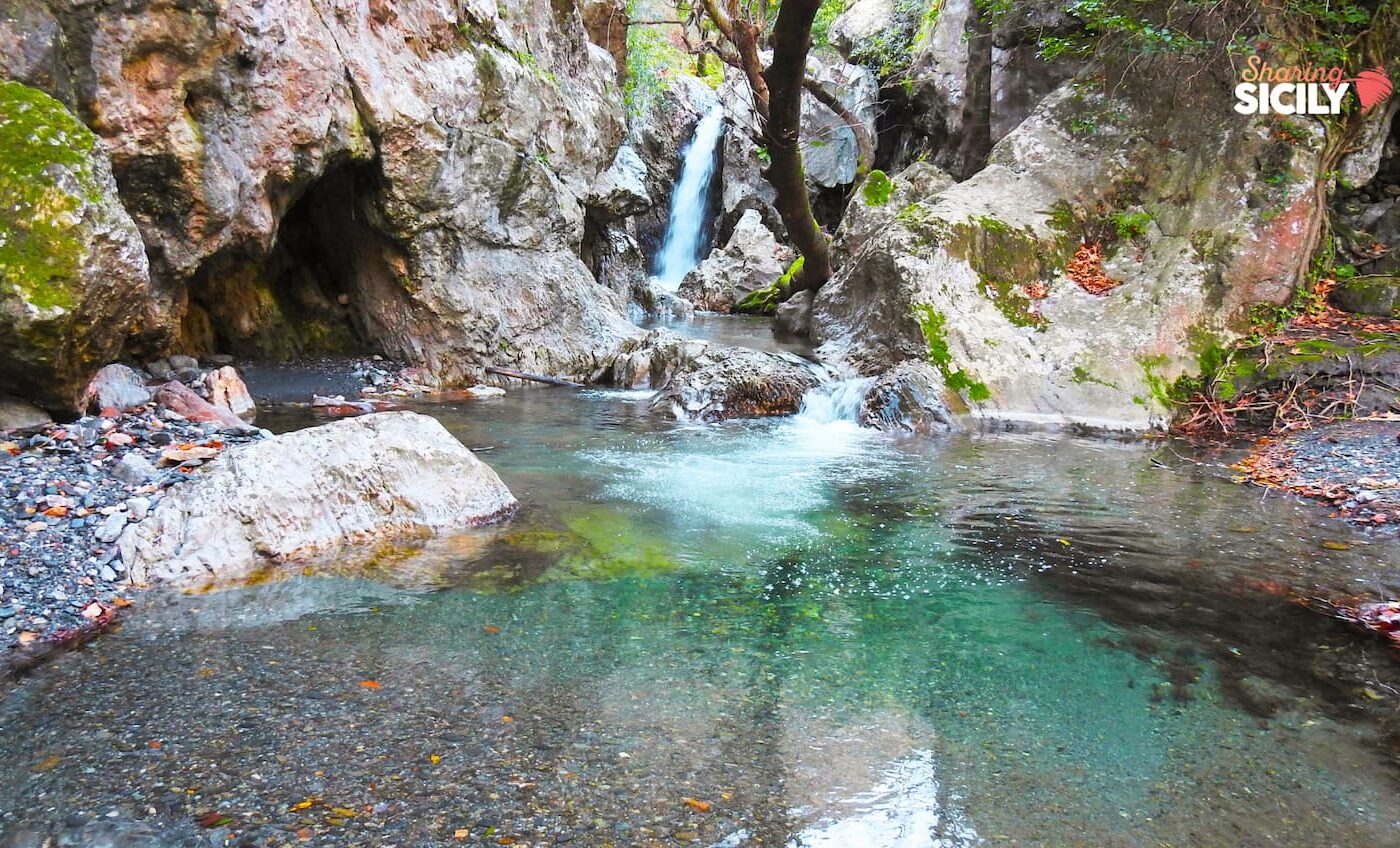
(1373, 87)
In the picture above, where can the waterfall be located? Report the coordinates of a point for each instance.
(835, 401)
(680, 248)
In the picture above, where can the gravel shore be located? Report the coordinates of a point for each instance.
(68, 493)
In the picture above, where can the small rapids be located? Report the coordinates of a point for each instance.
(685, 229)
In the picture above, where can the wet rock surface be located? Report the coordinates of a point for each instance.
(704, 381)
(750, 260)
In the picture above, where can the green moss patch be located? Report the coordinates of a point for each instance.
(877, 189)
(45, 179)
(934, 326)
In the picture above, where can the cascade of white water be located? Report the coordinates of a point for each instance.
(680, 247)
(834, 401)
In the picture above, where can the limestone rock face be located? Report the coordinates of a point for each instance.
(973, 278)
(750, 260)
(312, 492)
(321, 176)
(1020, 78)
(861, 22)
(606, 21)
(74, 281)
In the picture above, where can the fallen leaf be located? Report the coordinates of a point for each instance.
(696, 804)
(303, 804)
(1064, 542)
(154, 743)
(213, 818)
(56, 511)
(1335, 546)
(47, 763)
(27, 636)
(344, 811)
(304, 833)
(434, 759)
(370, 684)
(507, 719)
(492, 629)
(461, 833)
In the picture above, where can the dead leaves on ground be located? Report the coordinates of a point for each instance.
(1085, 269)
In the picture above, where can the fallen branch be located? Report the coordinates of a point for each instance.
(534, 378)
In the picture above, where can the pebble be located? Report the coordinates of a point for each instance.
(93, 477)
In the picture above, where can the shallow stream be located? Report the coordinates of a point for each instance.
(784, 633)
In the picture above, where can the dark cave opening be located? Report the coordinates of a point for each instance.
(318, 291)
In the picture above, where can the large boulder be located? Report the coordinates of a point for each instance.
(752, 259)
(312, 177)
(703, 381)
(311, 493)
(74, 283)
(983, 279)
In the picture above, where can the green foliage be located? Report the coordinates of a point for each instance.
(40, 140)
(651, 60)
(933, 324)
(890, 52)
(877, 188)
(1130, 225)
(821, 24)
(1320, 32)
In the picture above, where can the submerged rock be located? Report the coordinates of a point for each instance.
(304, 494)
(794, 315)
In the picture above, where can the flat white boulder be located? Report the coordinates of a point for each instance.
(302, 495)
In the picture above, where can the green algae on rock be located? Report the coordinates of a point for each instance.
(74, 282)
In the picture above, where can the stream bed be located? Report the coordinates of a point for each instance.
(781, 633)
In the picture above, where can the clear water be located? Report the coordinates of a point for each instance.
(821, 636)
(685, 227)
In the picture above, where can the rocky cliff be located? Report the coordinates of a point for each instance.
(319, 175)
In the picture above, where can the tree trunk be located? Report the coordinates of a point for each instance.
(792, 37)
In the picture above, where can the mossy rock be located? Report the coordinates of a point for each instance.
(1378, 294)
(74, 282)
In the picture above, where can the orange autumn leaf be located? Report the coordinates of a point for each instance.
(304, 833)
(492, 629)
(370, 684)
(121, 603)
(696, 804)
(461, 833)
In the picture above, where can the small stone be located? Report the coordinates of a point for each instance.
(134, 469)
(111, 527)
(184, 363)
(107, 574)
(220, 359)
(137, 508)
